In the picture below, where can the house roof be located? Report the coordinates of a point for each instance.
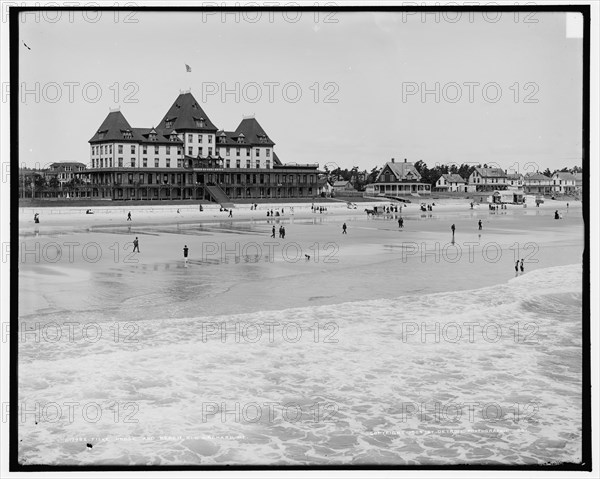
(276, 160)
(453, 178)
(60, 164)
(491, 172)
(536, 176)
(578, 177)
(564, 175)
(184, 113)
(341, 183)
(402, 171)
(514, 176)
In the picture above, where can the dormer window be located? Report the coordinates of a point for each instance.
(101, 135)
(127, 134)
(168, 123)
(200, 122)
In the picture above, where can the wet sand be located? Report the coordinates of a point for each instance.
(164, 376)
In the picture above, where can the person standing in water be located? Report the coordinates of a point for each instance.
(344, 227)
(185, 256)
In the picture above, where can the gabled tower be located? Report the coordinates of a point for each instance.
(192, 124)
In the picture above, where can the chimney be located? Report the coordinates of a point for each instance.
(393, 161)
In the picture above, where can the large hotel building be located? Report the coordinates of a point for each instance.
(186, 157)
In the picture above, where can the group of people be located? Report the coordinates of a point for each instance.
(495, 207)
(270, 212)
(281, 232)
(320, 209)
(427, 207)
(520, 265)
(557, 215)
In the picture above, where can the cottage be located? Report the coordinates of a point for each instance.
(398, 180)
(563, 183)
(489, 179)
(537, 183)
(451, 182)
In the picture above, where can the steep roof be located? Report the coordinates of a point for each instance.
(185, 114)
(254, 134)
(276, 160)
(402, 171)
(113, 127)
(453, 178)
(491, 172)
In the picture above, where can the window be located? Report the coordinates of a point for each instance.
(93, 165)
(145, 150)
(168, 163)
(247, 163)
(268, 150)
(101, 136)
(168, 150)
(133, 149)
(258, 152)
(101, 165)
(168, 124)
(190, 150)
(258, 163)
(238, 163)
(237, 152)
(247, 151)
(145, 162)
(227, 151)
(110, 149)
(268, 163)
(227, 164)
(209, 139)
(179, 150)
(120, 162)
(130, 178)
(120, 149)
(190, 138)
(199, 138)
(156, 162)
(133, 162)
(209, 151)
(200, 151)
(179, 163)
(156, 149)
(149, 178)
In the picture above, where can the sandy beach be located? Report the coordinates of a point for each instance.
(374, 290)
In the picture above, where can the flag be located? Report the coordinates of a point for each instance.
(188, 68)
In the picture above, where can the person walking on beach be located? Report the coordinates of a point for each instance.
(185, 256)
(136, 245)
(479, 224)
(230, 213)
(283, 232)
(517, 267)
(344, 227)
(273, 232)
(129, 216)
(522, 266)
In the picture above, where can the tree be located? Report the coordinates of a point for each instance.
(39, 181)
(54, 183)
(547, 172)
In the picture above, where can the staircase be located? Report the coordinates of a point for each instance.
(219, 196)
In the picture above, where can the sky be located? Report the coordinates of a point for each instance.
(344, 89)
